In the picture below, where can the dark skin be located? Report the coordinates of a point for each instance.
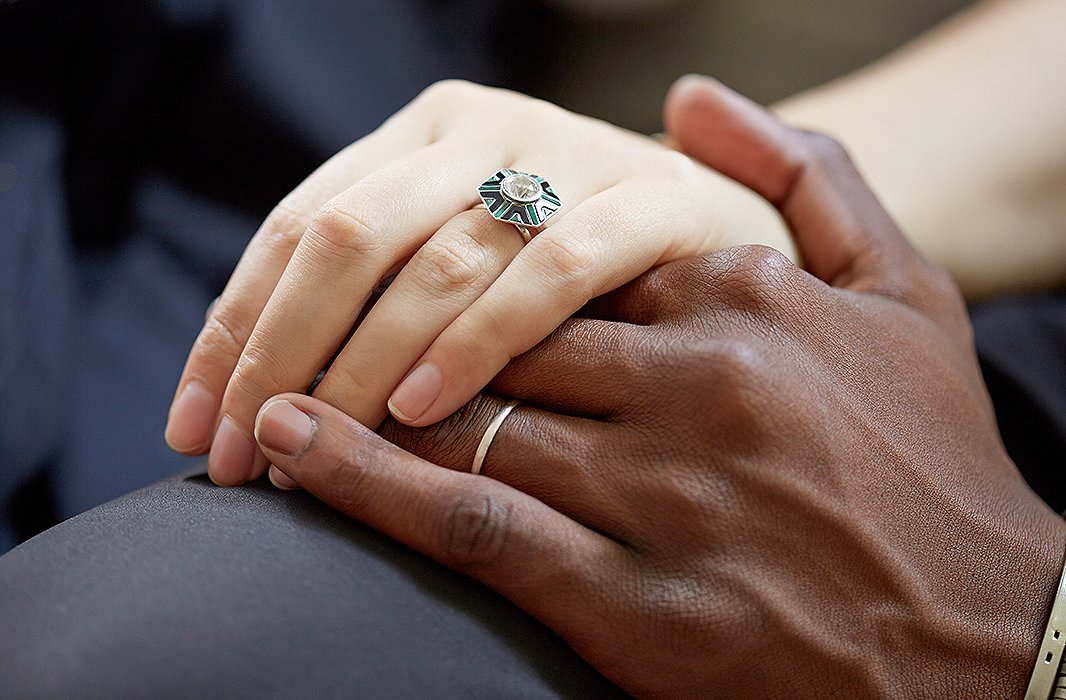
(736, 478)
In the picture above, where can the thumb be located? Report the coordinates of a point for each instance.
(845, 236)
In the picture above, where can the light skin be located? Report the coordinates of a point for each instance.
(977, 187)
(961, 136)
(732, 477)
(469, 296)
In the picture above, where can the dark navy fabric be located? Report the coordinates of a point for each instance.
(186, 590)
(141, 143)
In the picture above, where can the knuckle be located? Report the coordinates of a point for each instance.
(675, 166)
(822, 149)
(732, 373)
(757, 278)
(566, 257)
(445, 91)
(939, 293)
(349, 467)
(678, 286)
(344, 233)
(683, 494)
(451, 264)
(738, 360)
(916, 282)
(474, 532)
(343, 387)
(258, 373)
(541, 110)
(350, 474)
(733, 362)
(283, 226)
(744, 389)
(943, 286)
(220, 336)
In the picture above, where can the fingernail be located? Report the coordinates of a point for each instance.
(281, 480)
(191, 418)
(232, 454)
(283, 428)
(415, 393)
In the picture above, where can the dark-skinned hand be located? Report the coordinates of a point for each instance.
(735, 478)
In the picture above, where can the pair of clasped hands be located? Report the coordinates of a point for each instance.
(729, 476)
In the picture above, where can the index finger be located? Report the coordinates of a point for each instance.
(545, 562)
(229, 322)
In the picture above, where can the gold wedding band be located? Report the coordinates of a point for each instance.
(490, 433)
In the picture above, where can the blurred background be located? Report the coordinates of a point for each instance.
(616, 59)
(141, 143)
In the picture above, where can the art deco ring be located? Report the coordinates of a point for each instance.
(518, 198)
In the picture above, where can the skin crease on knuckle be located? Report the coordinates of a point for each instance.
(336, 234)
(565, 259)
(218, 337)
(444, 94)
(447, 266)
(283, 227)
(257, 375)
(475, 532)
(343, 465)
(759, 291)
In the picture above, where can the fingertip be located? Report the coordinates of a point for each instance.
(191, 419)
(282, 429)
(434, 414)
(260, 464)
(232, 456)
(416, 394)
(685, 98)
(281, 480)
(689, 82)
(398, 414)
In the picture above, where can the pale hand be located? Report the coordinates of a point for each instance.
(469, 296)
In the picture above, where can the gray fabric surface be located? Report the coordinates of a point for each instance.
(188, 590)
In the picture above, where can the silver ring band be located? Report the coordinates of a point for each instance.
(490, 433)
(522, 230)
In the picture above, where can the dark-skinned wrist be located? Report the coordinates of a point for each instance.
(1039, 569)
(1023, 563)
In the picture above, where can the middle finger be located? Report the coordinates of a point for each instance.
(563, 461)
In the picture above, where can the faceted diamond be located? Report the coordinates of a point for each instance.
(520, 187)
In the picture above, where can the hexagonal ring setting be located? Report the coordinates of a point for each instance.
(524, 200)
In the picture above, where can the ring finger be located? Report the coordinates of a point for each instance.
(557, 459)
(446, 276)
